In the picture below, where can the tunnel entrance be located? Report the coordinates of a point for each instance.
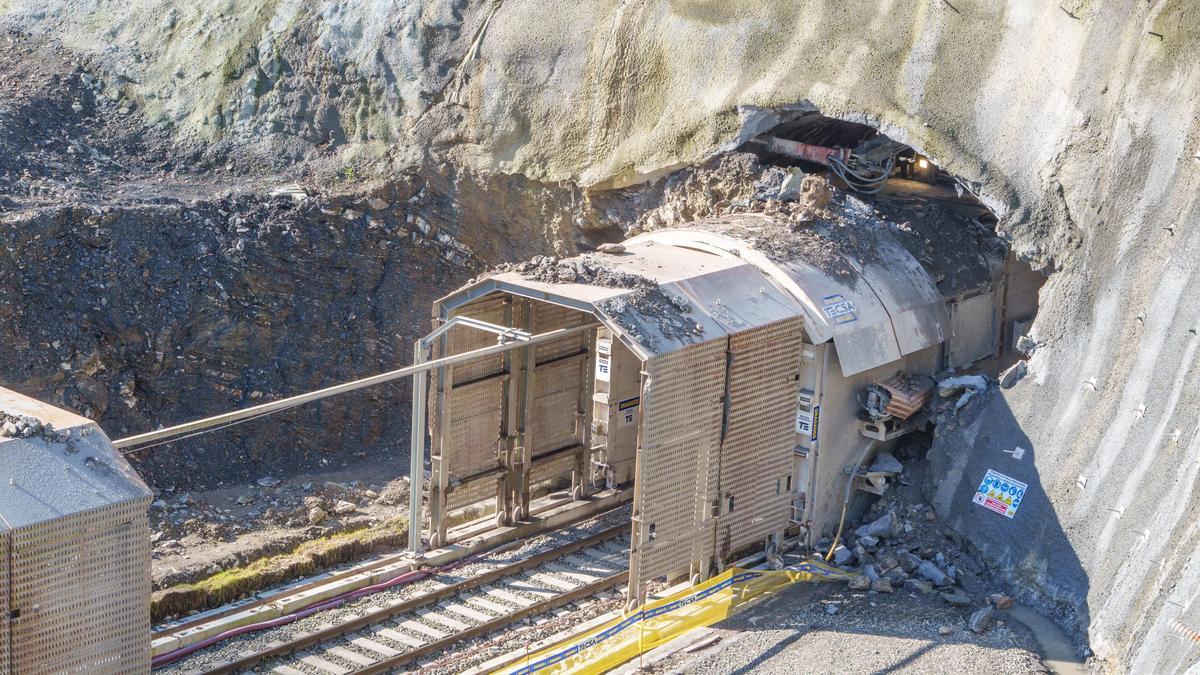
(989, 316)
(736, 375)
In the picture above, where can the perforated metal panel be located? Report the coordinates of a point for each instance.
(757, 450)
(80, 586)
(478, 395)
(471, 492)
(461, 340)
(554, 409)
(548, 317)
(552, 468)
(5, 654)
(677, 460)
(472, 428)
(557, 382)
(473, 400)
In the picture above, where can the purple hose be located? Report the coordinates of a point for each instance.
(407, 577)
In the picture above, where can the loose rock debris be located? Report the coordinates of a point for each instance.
(900, 546)
(25, 426)
(239, 525)
(794, 216)
(646, 301)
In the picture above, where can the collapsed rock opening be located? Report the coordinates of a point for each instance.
(938, 214)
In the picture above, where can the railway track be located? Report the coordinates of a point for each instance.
(392, 633)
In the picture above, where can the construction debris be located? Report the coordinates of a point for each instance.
(899, 397)
(899, 546)
(981, 619)
(791, 215)
(1014, 374)
(26, 426)
(19, 426)
(647, 299)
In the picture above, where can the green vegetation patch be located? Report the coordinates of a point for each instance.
(306, 559)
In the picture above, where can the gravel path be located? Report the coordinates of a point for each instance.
(869, 633)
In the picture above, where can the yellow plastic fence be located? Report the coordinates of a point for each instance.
(663, 620)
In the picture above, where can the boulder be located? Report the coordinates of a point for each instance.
(886, 462)
(842, 555)
(918, 585)
(1001, 601)
(1014, 374)
(933, 573)
(956, 599)
(887, 525)
(981, 619)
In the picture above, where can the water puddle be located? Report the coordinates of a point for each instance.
(1057, 651)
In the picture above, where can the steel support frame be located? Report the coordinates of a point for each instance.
(509, 338)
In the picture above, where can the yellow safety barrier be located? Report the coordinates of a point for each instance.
(658, 622)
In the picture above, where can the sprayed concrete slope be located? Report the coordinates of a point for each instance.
(1079, 121)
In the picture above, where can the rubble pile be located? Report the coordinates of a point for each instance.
(793, 215)
(738, 183)
(900, 546)
(646, 299)
(585, 269)
(19, 426)
(26, 426)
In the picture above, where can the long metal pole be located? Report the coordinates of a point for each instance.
(283, 404)
(416, 450)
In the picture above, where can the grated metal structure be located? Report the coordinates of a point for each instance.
(756, 452)
(678, 462)
(75, 547)
(718, 377)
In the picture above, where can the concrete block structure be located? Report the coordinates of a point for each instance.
(74, 546)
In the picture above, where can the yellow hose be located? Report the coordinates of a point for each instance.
(838, 536)
(846, 500)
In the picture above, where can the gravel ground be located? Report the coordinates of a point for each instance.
(869, 633)
(234, 648)
(475, 652)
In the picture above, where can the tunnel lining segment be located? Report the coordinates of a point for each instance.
(877, 316)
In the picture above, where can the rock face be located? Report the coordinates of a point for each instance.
(1077, 123)
(244, 304)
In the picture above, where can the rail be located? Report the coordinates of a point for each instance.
(386, 614)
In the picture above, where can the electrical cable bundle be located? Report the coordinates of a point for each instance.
(861, 177)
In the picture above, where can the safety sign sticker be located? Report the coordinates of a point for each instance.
(838, 309)
(628, 409)
(603, 360)
(1000, 493)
